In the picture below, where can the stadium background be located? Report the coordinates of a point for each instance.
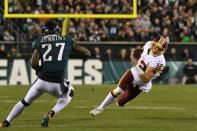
(110, 40)
(165, 108)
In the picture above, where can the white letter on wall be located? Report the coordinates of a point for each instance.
(3, 72)
(92, 68)
(73, 72)
(19, 73)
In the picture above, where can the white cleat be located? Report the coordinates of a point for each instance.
(96, 111)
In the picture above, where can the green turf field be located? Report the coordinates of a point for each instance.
(165, 108)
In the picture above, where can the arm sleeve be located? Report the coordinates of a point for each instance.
(35, 45)
(147, 45)
(70, 40)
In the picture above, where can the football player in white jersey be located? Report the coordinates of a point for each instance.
(138, 79)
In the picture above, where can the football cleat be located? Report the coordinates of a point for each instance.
(4, 123)
(46, 119)
(96, 111)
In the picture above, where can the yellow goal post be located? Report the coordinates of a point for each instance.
(68, 16)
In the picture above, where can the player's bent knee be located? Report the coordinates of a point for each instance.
(116, 92)
(24, 103)
(120, 104)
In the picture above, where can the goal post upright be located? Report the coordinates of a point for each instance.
(65, 26)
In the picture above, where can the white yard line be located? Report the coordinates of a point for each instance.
(38, 126)
(41, 101)
(114, 108)
(138, 107)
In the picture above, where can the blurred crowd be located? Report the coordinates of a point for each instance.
(175, 19)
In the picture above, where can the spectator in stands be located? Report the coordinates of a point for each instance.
(194, 27)
(113, 29)
(7, 36)
(97, 53)
(185, 35)
(108, 54)
(1, 37)
(190, 73)
(27, 27)
(138, 33)
(130, 36)
(173, 55)
(185, 55)
(3, 53)
(13, 53)
(194, 56)
(2, 20)
(158, 27)
(180, 17)
(1, 33)
(165, 33)
(123, 54)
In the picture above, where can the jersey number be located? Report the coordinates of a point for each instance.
(49, 48)
(142, 65)
(159, 67)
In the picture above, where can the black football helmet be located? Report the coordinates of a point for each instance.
(50, 28)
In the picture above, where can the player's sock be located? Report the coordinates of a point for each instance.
(110, 97)
(107, 101)
(17, 110)
(61, 103)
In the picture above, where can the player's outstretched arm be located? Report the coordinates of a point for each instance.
(135, 56)
(133, 60)
(35, 59)
(148, 74)
(82, 50)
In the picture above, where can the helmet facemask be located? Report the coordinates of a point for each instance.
(51, 28)
(159, 46)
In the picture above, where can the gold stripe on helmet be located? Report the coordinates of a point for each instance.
(161, 41)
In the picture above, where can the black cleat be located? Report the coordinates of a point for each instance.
(4, 124)
(46, 119)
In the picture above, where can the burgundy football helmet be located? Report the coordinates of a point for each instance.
(159, 45)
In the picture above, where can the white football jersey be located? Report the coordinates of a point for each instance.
(147, 60)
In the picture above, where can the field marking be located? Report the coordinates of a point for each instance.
(80, 101)
(137, 107)
(38, 126)
(4, 97)
(41, 101)
(89, 107)
(153, 108)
